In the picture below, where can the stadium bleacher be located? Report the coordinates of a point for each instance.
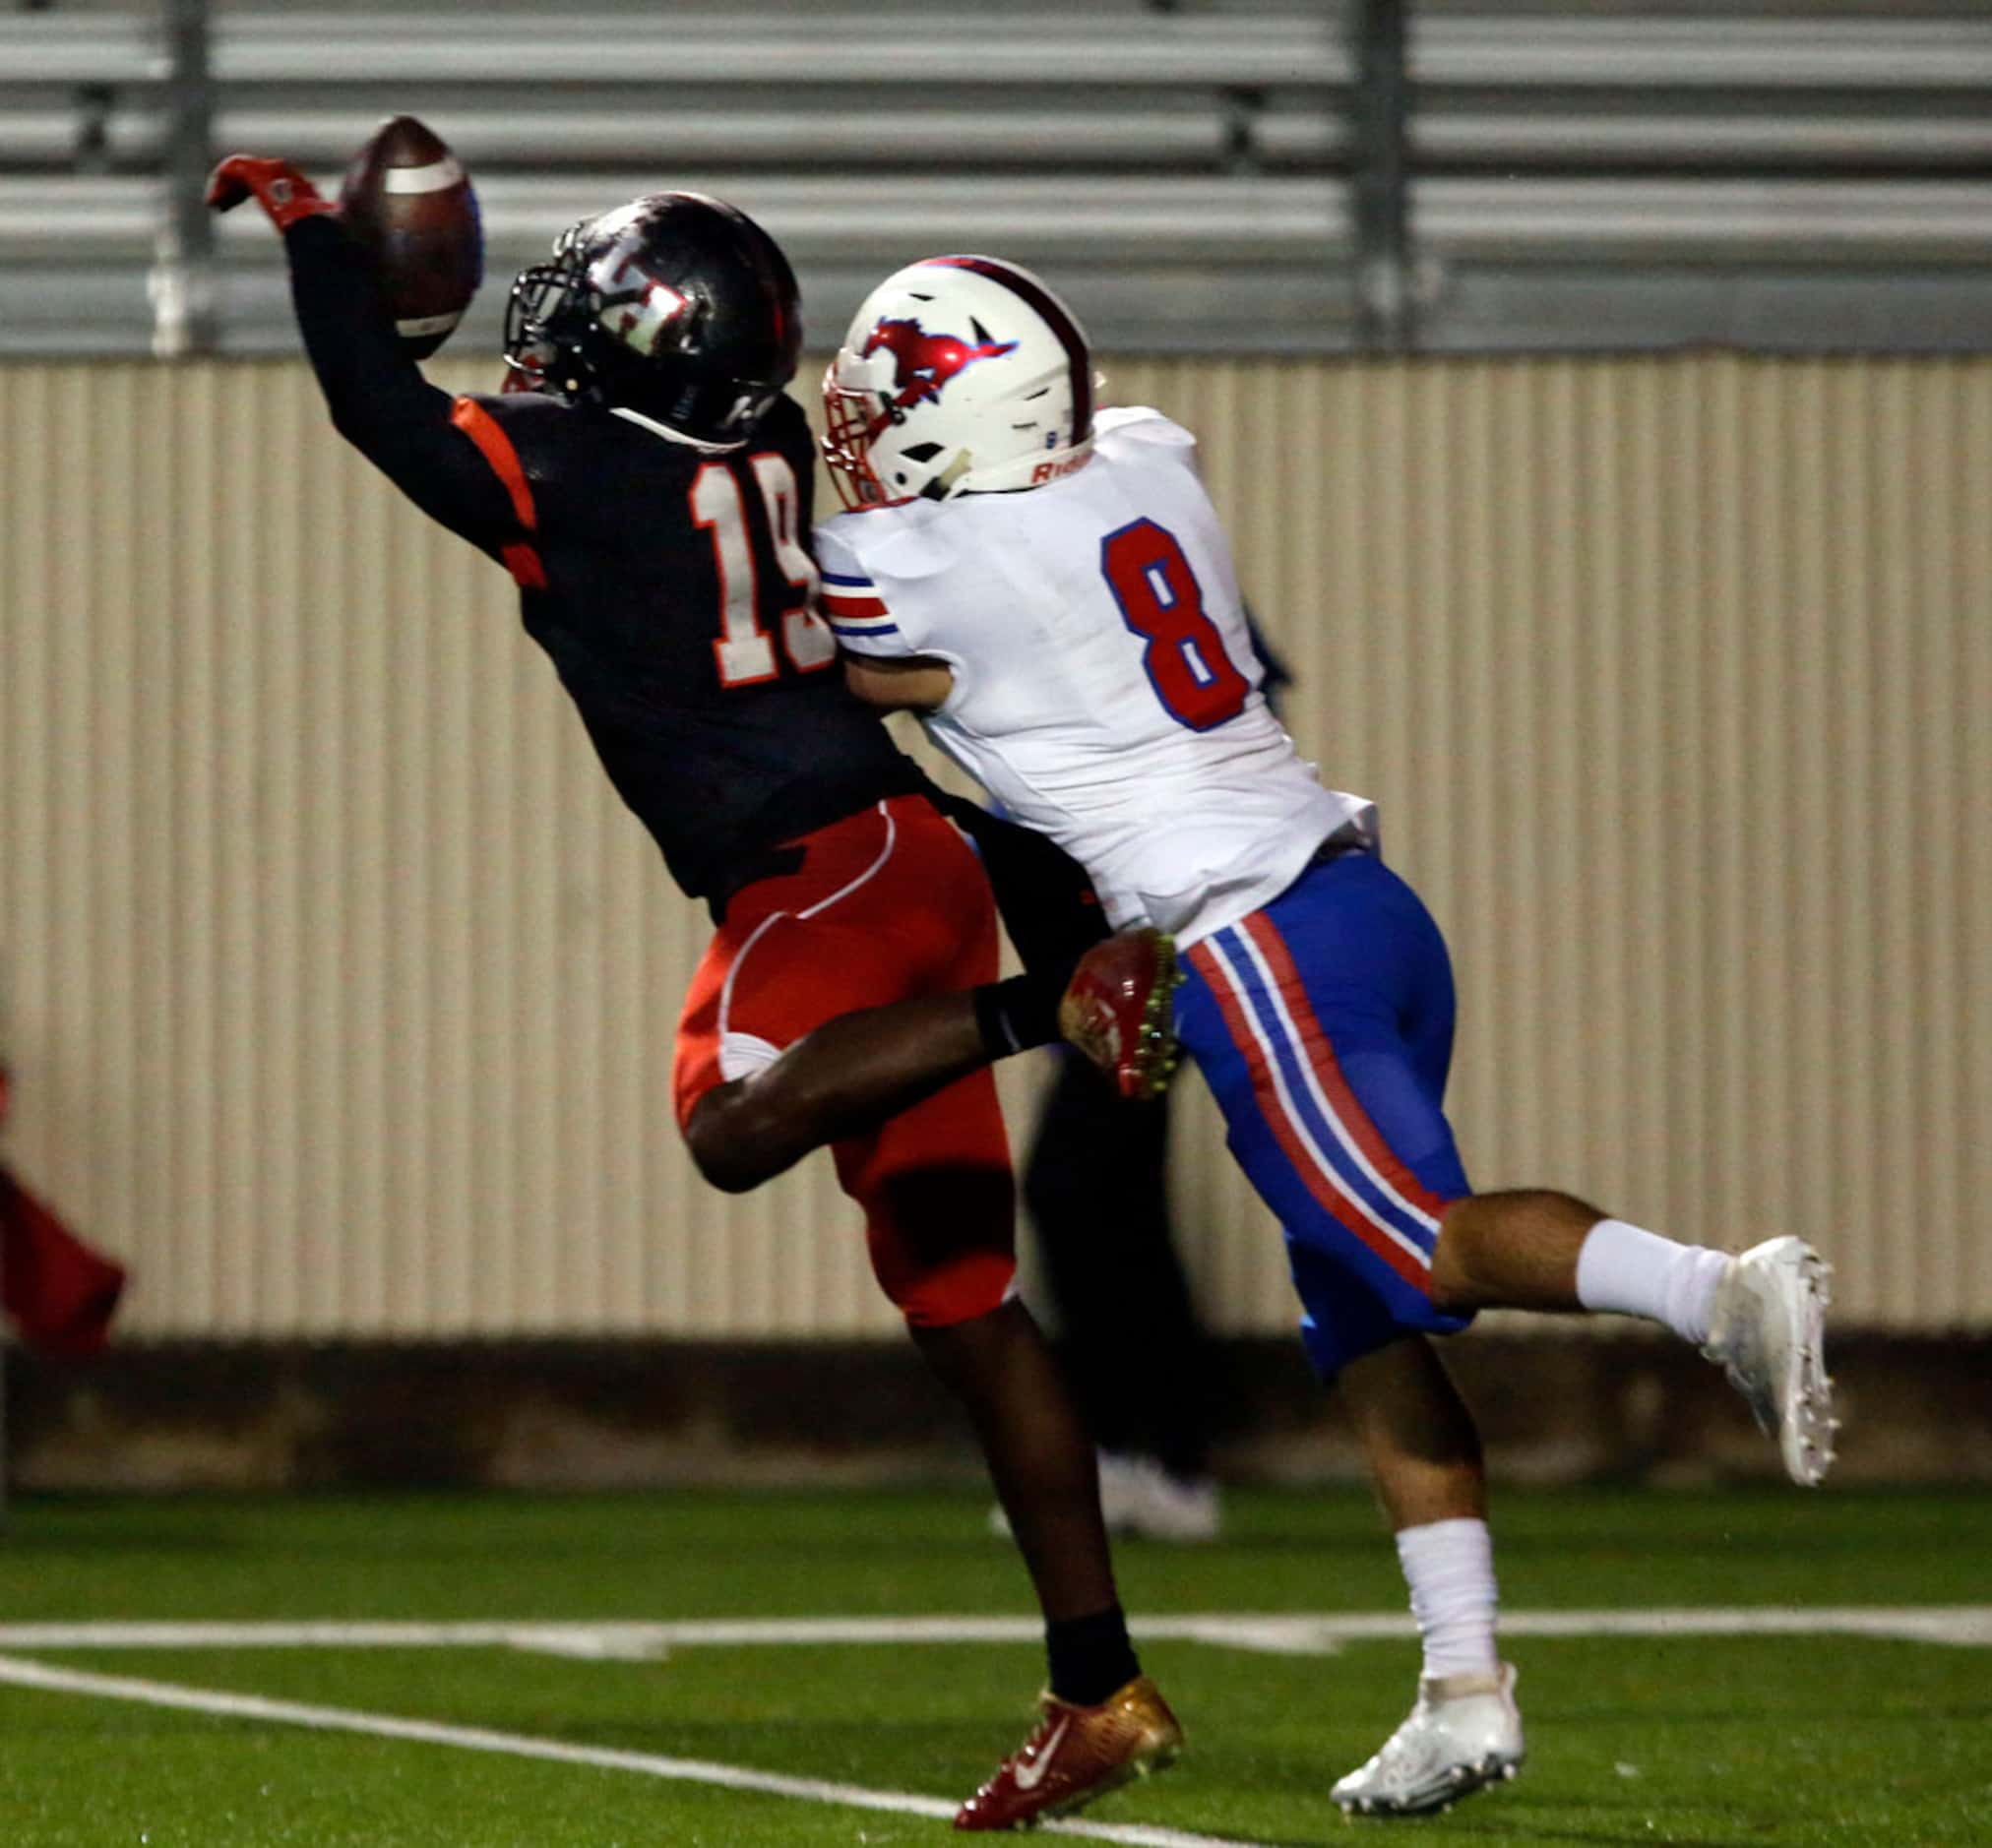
(1195, 176)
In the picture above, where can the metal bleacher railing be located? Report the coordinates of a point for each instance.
(1374, 174)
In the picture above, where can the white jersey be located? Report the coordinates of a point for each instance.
(1106, 692)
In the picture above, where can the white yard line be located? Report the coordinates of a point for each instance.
(39, 1674)
(1277, 1632)
(1280, 1633)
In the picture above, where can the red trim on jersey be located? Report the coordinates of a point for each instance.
(1326, 1194)
(523, 563)
(495, 447)
(1319, 1052)
(853, 607)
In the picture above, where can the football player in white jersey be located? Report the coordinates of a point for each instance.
(1051, 590)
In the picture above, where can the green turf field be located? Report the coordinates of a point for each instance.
(1729, 1739)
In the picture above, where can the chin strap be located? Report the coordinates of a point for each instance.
(669, 435)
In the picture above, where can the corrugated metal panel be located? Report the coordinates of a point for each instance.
(340, 988)
(1672, 678)
(342, 991)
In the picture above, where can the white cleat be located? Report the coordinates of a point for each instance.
(1139, 1497)
(1768, 1333)
(1464, 1733)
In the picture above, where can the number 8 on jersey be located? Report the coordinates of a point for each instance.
(1162, 601)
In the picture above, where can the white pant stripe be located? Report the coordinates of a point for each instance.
(1302, 1131)
(822, 904)
(1350, 1147)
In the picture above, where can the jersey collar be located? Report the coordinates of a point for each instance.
(672, 436)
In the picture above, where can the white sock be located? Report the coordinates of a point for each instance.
(1626, 1272)
(1448, 1566)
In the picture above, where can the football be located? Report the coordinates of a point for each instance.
(407, 198)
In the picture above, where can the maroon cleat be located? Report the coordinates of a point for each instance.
(1077, 1754)
(1117, 1010)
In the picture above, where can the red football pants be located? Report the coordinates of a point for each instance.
(888, 904)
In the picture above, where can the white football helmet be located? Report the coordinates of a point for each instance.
(960, 375)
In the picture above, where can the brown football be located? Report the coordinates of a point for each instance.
(408, 199)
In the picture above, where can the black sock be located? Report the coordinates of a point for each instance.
(1017, 1015)
(1091, 1656)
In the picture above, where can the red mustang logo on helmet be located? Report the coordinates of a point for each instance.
(924, 362)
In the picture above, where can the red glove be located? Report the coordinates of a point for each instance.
(280, 189)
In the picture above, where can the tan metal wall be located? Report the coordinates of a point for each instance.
(341, 991)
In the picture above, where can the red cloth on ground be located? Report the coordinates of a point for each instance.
(57, 1292)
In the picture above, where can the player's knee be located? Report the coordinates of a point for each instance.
(948, 1288)
(721, 1165)
(1454, 1288)
(729, 1142)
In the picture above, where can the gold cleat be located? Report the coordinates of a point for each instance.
(1076, 1754)
(1119, 1009)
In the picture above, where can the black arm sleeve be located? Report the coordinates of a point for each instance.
(378, 400)
(1048, 905)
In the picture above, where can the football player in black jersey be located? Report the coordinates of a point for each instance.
(649, 491)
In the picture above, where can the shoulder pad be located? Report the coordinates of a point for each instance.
(1140, 423)
(527, 417)
(836, 551)
(903, 539)
(915, 551)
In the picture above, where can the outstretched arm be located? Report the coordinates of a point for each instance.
(378, 400)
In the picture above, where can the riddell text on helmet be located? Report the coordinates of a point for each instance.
(1051, 470)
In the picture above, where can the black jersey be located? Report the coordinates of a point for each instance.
(671, 585)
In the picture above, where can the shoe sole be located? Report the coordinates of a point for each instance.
(1145, 1071)
(1155, 1056)
(1154, 1052)
(1805, 1420)
(1495, 1768)
(1143, 1765)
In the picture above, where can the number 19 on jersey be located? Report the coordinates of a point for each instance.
(743, 651)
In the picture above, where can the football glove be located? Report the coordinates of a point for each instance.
(277, 187)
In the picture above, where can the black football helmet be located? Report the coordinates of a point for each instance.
(675, 308)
